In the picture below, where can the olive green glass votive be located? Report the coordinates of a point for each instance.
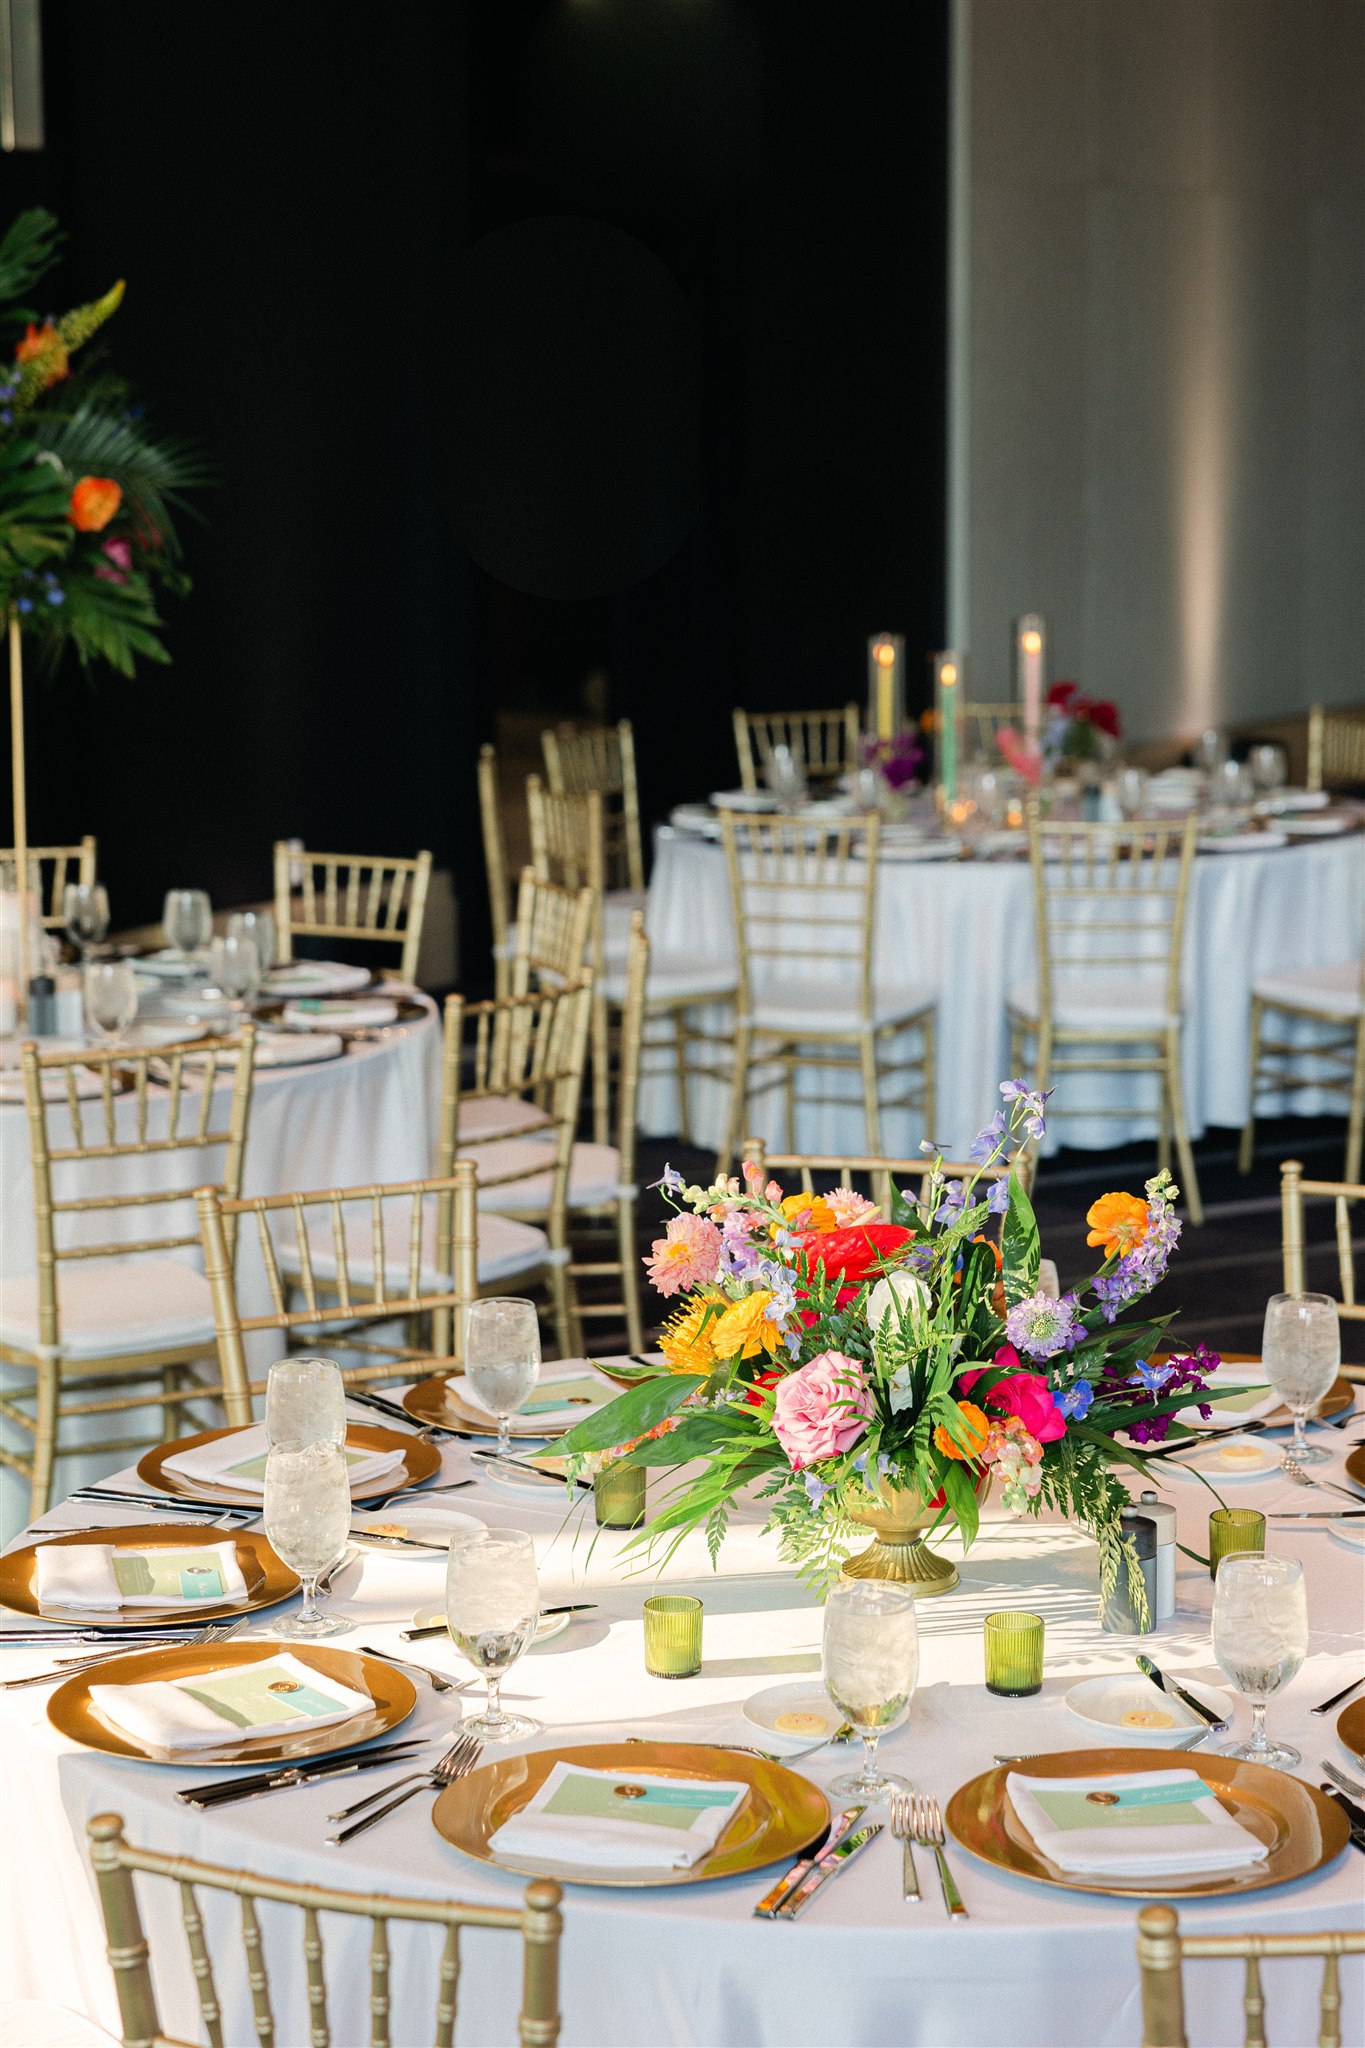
(618, 1497)
(673, 1635)
(1014, 1653)
(1231, 1530)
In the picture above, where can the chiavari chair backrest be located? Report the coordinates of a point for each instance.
(554, 932)
(1342, 1194)
(631, 1043)
(569, 846)
(1336, 748)
(352, 896)
(601, 758)
(803, 896)
(838, 1169)
(538, 1920)
(530, 1047)
(1162, 1949)
(824, 743)
(494, 848)
(1110, 899)
(57, 866)
(80, 1135)
(981, 722)
(408, 1272)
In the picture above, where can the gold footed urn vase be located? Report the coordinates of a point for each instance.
(897, 1519)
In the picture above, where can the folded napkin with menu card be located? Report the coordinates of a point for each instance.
(315, 977)
(309, 1013)
(1133, 1824)
(99, 1575)
(235, 1704)
(238, 1461)
(557, 1399)
(621, 1820)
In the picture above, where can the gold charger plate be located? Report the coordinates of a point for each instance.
(1355, 1466)
(782, 1816)
(1302, 1828)
(420, 1461)
(431, 1401)
(1351, 1729)
(268, 1579)
(72, 1712)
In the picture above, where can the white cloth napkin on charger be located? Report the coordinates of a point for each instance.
(237, 1460)
(314, 1013)
(236, 1703)
(1144, 1824)
(549, 1401)
(87, 1574)
(620, 1820)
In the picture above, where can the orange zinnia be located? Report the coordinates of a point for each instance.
(683, 1341)
(94, 502)
(978, 1429)
(1118, 1222)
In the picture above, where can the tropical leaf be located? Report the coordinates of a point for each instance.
(1019, 1245)
(28, 249)
(34, 530)
(152, 473)
(631, 1414)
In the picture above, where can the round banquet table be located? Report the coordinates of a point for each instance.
(367, 1116)
(689, 1965)
(965, 929)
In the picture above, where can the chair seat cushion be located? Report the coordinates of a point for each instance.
(673, 976)
(790, 1007)
(594, 1175)
(1127, 1002)
(506, 1248)
(1325, 991)
(109, 1307)
(493, 1116)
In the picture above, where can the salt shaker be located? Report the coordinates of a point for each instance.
(1163, 1515)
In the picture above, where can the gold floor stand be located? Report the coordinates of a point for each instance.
(907, 1564)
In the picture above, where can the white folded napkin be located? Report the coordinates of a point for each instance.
(100, 1575)
(1134, 1824)
(1254, 1397)
(233, 1704)
(237, 1460)
(309, 1013)
(315, 977)
(556, 1399)
(621, 1820)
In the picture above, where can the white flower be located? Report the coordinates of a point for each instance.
(899, 1389)
(892, 1296)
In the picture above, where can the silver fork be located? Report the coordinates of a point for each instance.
(1301, 1478)
(72, 1667)
(457, 1762)
(904, 1834)
(928, 1830)
(1348, 1785)
(412, 1778)
(434, 1678)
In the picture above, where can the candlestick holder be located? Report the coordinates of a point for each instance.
(885, 685)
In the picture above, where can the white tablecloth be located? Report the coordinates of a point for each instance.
(1031, 1968)
(965, 929)
(367, 1116)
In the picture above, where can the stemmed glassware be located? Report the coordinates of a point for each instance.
(235, 966)
(1260, 1638)
(307, 1521)
(109, 992)
(187, 920)
(1269, 768)
(305, 1402)
(259, 927)
(85, 913)
(871, 1667)
(492, 1606)
(1301, 1353)
(502, 1358)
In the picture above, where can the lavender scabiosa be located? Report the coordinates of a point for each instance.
(1041, 1327)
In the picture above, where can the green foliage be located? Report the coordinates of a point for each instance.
(631, 1414)
(28, 249)
(1019, 1245)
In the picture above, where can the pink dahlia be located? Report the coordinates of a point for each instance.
(685, 1256)
(848, 1207)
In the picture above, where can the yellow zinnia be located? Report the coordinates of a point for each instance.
(684, 1343)
(743, 1330)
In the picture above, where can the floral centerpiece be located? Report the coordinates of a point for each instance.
(870, 1371)
(1079, 729)
(898, 763)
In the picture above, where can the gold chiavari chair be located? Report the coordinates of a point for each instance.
(1162, 1950)
(824, 743)
(57, 865)
(417, 1240)
(1342, 1194)
(98, 1310)
(1331, 1001)
(538, 1920)
(552, 934)
(981, 723)
(804, 902)
(878, 1171)
(512, 1077)
(579, 760)
(1109, 904)
(352, 896)
(495, 866)
(1336, 748)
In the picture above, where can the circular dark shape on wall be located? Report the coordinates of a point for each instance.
(572, 469)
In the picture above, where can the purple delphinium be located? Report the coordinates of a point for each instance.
(1139, 1270)
(952, 1204)
(1136, 1390)
(1040, 1327)
(1074, 1402)
(1032, 1103)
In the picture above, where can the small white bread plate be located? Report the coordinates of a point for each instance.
(1100, 1704)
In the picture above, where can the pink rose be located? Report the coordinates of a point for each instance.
(819, 1411)
(1025, 1394)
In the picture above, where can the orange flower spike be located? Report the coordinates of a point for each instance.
(977, 1431)
(94, 502)
(1118, 1222)
(45, 345)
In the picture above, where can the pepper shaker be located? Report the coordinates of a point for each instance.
(1163, 1515)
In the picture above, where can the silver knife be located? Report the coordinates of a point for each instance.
(1158, 1677)
(1315, 1514)
(804, 1865)
(1355, 1818)
(829, 1866)
(224, 1793)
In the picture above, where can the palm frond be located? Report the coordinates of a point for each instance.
(29, 248)
(152, 472)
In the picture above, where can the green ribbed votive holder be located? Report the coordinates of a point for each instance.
(1014, 1653)
(618, 1497)
(673, 1635)
(1231, 1530)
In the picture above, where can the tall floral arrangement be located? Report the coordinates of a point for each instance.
(834, 1356)
(87, 491)
(1078, 729)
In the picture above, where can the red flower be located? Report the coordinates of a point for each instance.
(1105, 715)
(760, 1384)
(1061, 695)
(853, 1254)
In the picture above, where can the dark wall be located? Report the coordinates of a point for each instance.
(683, 423)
